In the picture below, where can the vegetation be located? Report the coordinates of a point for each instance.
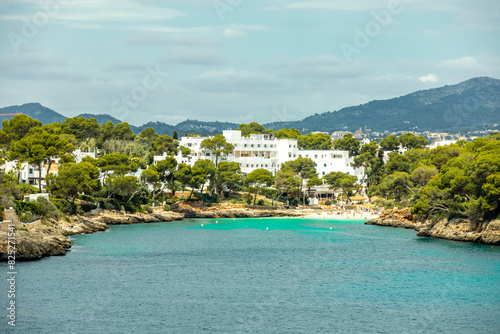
(460, 180)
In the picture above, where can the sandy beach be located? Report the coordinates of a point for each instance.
(333, 214)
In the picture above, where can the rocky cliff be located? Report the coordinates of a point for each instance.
(120, 218)
(455, 229)
(46, 238)
(230, 211)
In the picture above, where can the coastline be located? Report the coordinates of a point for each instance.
(40, 239)
(43, 238)
(463, 230)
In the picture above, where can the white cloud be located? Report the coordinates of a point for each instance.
(429, 78)
(234, 34)
(359, 5)
(109, 11)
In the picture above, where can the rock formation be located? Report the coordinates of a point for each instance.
(455, 229)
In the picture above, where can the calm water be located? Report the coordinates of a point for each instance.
(259, 276)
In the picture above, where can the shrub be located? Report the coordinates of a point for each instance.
(88, 207)
(47, 209)
(66, 207)
(147, 209)
(79, 210)
(260, 202)
(328, 203)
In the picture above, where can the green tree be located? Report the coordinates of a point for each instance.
(122, 131)
(218, 146)
(106, 132)
(390, 143)
(38, 148)
(83, 129)
(252, 128)
(423, 174)
(348, 143)
(147, 136)
(257, 179)
(163, 144)
(304, 168)
(287, 182)
(183, 174)
(114, 163)
(18, 127)
(126, 186)
(228, 176)
(175, 136)
(73, 179)
(342, 182)
(410, 141)
(371, 160)
(396, 186)
(204, 170)
(317, 141)
(292, 133)
(166, 170)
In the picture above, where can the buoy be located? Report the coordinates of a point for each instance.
(267, 228)
(202, 225)
(331, 228)
(217, 222)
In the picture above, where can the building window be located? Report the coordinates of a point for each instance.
(265, 145)
(315, 165)
(323, 173)
(207, 154)
(315, 156)
(245, 145)
(247, 165)
(252, 166)
(289, 154)
(324, 165)
(258, 145)
(251, 145)
(266, 166)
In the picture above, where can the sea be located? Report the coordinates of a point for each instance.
(279, 275)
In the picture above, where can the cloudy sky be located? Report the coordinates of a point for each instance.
(237, 60)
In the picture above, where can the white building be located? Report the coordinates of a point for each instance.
(79, 155)
(438, 143)
(27, 173)
(266, 151)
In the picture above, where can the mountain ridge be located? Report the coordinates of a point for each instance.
(469, 105)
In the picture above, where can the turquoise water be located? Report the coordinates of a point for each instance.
(259, 276)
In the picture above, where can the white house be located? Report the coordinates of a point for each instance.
(265, 151)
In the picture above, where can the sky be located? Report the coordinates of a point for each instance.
(237, 60)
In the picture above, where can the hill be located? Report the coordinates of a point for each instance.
(471, 105)
(33, 110)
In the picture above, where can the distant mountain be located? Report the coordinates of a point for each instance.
(101, 119)
(33, 110)
(471, 105)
